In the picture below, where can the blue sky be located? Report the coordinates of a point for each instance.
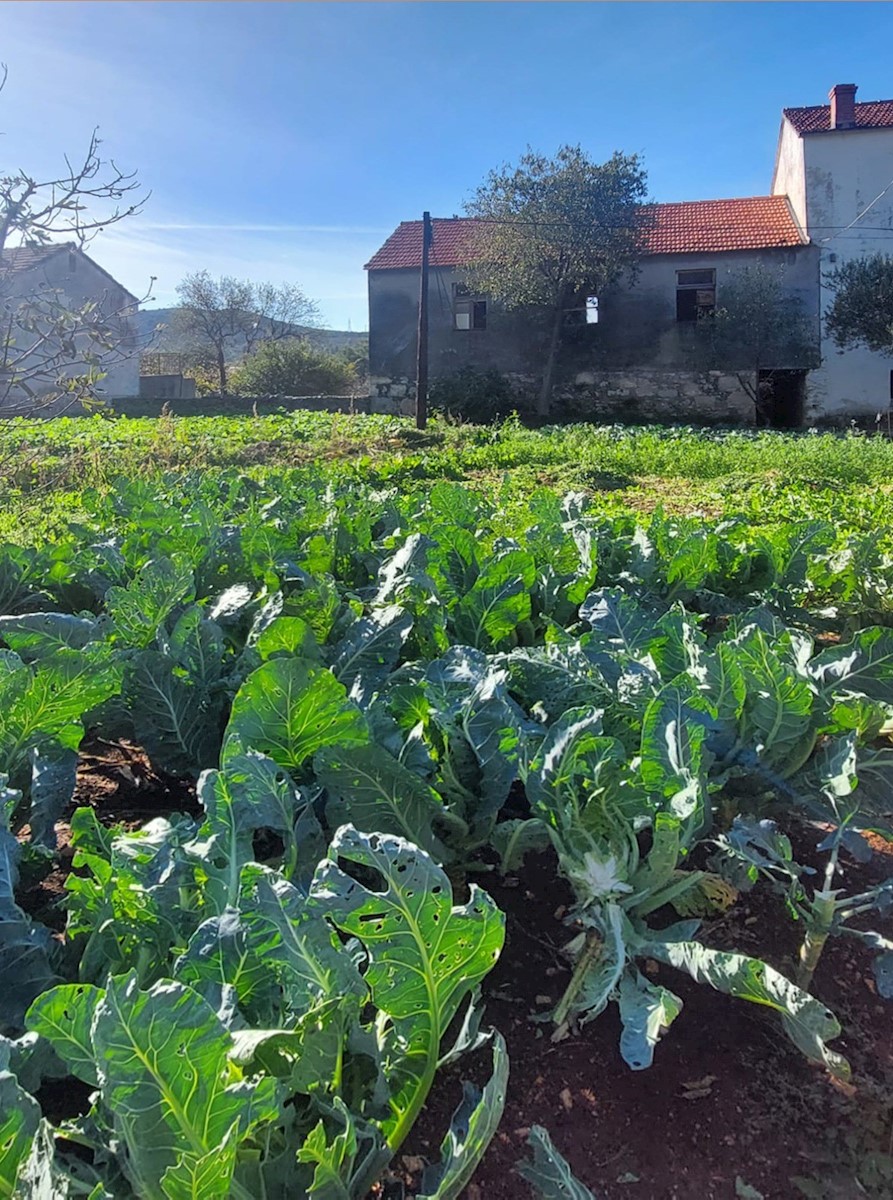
(285, 141)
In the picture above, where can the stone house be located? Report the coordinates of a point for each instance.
(63, 272)
(638, 351)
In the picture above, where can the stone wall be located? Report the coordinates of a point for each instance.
(649, 394)
(641, 395)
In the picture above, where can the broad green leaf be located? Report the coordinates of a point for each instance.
(721, 681)
(166, 1078)
(27, 954)
(139, 610)
(53, 779)
(425, 955)
(343, 1168)
(47, 706)
(297, 946)
(807, 1022)
(619, 622)
(673, 735)
(203, 1176)
(308, 1055)
(549, 1173)
(371, 789)
(647, 1011)
(63, 1015)
(471, 1130)
(779, 718)
(221, 952)
(196, 644)
(497, 603)
(176, 719)
(288, 709)
(249, 793)
(573, 779)
(287, 636)
(38, 635)
(364, 657)
(864, 665)
(19, 1120)
(556, 677)
(683, 647)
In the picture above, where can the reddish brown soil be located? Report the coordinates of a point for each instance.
(727, 1099)
(117, 780)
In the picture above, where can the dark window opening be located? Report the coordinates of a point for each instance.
(469, 312)
(695, 295)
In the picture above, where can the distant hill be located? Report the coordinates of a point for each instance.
(169, 340)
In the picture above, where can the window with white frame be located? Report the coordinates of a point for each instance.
(469, 311)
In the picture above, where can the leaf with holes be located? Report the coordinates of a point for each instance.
(426, 955)
(471, 1130)
(549, 1174)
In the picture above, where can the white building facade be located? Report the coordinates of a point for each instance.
(835, 165)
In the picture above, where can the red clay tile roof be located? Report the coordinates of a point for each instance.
(700, 226)
(873, 114)
(691, 227)
(450, 244)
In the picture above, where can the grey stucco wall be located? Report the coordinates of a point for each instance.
(637, 328)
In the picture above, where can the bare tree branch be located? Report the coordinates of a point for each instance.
(52, 347)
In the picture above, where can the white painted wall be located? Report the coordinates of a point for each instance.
(789, 178)
(844, 171)
(80, 280)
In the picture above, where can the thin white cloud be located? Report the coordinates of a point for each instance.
(189, 227)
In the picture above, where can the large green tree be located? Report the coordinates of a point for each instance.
(861, 313)
(554, 230)
(759, 326)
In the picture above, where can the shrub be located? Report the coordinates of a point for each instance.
(292, 368)
(473, 395)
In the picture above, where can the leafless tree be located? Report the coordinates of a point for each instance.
(50, 346)
(226, 317)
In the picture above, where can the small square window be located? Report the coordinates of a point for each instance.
(695, 294)
(469, 312)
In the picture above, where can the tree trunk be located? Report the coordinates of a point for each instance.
(221, 371)
(545, 397)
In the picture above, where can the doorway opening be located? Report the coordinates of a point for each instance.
(781, 399)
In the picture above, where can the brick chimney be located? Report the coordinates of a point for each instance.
(843, 106)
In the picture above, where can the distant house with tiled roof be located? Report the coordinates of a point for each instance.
(637, 358)
(64, 272)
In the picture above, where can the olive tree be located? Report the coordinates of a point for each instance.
(758, 327)
(51, 346)
(861, 313)
(227, 318)
(552, 230)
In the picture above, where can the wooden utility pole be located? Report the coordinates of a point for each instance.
(421, 386)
